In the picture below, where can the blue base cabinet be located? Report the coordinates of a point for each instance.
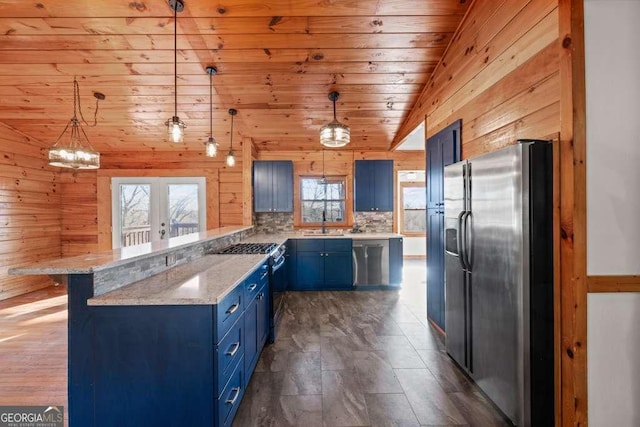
(176, 365)
(323, 264)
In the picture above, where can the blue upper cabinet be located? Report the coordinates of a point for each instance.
(373, 185)
(273, 186)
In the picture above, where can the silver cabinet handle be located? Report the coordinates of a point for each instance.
(260, 295)
(235, 390)
(252, 287)
(234, 349)
(233, 308)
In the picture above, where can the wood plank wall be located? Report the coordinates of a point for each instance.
(500, 75)
(30, 217)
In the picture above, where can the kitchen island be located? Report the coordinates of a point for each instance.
(165, 333)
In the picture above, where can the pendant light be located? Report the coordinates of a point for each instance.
(335, 134)
(231, 160)
(175, 126)
(323, 180)
(211, 146)
(78, 152)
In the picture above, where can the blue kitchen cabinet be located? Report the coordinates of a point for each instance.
(395, 261)
(373, 185)
(310, 267)
(443, 149)
(323, 264)
(256, 314)
(177, 364)
(273, 186)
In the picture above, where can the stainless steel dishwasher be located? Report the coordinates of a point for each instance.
(370, 262)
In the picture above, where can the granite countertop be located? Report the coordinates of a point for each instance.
(204, 281)
(93, 262)
(283, 237)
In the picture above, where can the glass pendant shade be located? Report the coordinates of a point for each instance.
(211, 147)
(335, 134)
(231, 160)
(74, 155)
(175, 129)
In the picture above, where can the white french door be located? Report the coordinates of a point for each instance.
(147, 209)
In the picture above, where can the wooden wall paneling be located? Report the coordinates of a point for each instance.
(573, 257)
(79, 205)
(613, 283)
(491, 37)
(29, 211)
(248, 152)
(103, 194)
(213, 199)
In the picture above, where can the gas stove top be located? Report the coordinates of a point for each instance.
(249, 248)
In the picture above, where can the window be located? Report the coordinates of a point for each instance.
(146, 209)
(318, 196)
(413, 205)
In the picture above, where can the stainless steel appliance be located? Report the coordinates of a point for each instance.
(277, 275)
(499, 277)
(370, 262)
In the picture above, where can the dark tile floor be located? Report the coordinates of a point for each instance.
(364, 358)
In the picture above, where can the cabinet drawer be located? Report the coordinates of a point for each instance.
(310, 245)
(228, 351)
(337, 245)
(228, 311)
(231, 396)
(255, 281)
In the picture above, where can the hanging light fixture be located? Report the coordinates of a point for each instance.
(211, 146)
(231, 160)
(78, 153)
(335, 134)
(175, 126)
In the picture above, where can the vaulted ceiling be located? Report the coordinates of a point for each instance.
(277, 61)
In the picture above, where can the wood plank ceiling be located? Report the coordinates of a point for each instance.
(277, 61)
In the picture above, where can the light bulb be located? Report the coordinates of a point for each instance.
(211, 147)
(231, 160)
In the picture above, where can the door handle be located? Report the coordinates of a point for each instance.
(236, 391)
(234, 349)
(459, 239)
(468, 226)
(162, 231)
(233, 308)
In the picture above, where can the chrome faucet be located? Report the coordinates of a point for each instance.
(324, 221)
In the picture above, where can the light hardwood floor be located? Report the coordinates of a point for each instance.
(341, 359)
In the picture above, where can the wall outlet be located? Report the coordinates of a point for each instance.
(171, 259)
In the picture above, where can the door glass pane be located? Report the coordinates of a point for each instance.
(183, 209)
(135, 211)
(414, 203)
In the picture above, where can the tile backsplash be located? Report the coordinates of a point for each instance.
(273, 222)
(374, 222)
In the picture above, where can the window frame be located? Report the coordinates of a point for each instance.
(401, 209)
(297, 202)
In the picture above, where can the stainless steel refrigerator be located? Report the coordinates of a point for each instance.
(499, 277)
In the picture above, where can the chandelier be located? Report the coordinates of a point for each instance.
(335, 134)
(77, 153)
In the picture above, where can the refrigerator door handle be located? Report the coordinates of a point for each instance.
(468, 237)
(460, 239)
